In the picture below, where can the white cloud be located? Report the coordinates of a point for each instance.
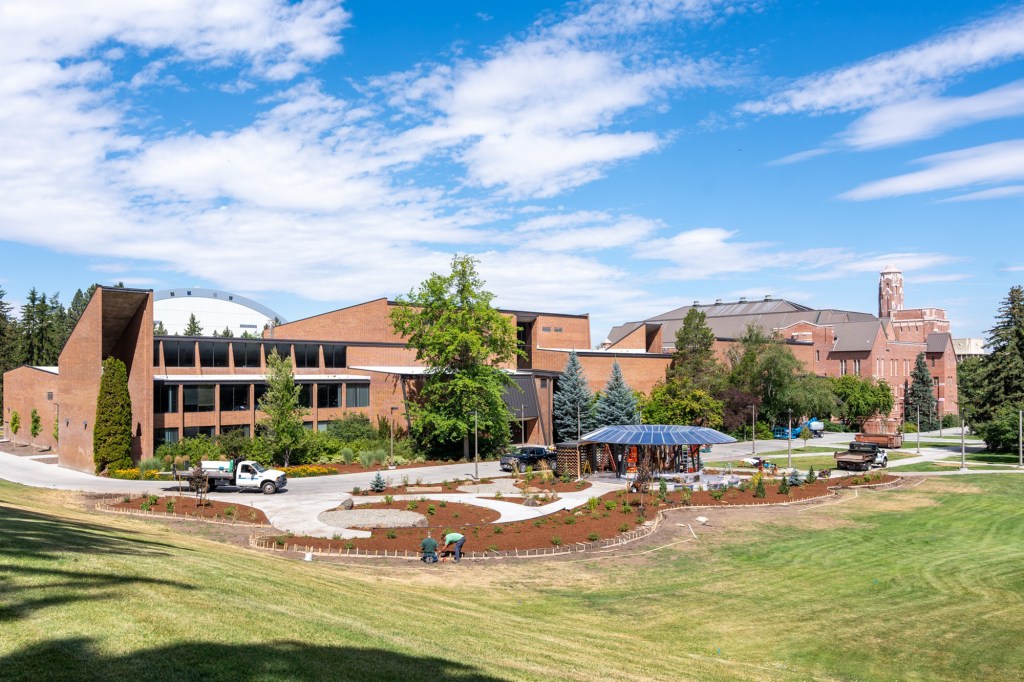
(986, 194)
(850, 264)
(929, 117)
(707, 252)
(941, 279)
(902, 74)
(799, 156)
(986, 164)
(584, 231)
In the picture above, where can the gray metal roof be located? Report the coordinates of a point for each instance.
(622, 331)
(520, 397)
(734, 326)
(856, 336)
(656, 434)
(937, 342)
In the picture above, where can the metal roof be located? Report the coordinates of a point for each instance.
(656, 434)
(855, 336)
(937, 342)
(520, 397)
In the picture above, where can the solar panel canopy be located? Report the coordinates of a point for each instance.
(656, 434)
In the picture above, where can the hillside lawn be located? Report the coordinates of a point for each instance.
(918, 583)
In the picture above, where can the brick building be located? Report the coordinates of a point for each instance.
(828, 342)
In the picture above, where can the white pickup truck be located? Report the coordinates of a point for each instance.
(244, 474)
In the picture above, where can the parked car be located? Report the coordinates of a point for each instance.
(527, 456)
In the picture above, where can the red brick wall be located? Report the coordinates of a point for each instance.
(80, 369)
(640, 372)
(25, 389)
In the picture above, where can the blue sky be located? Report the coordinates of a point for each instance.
(617, 158)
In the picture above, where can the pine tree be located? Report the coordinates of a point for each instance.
(112, 427)
(159, 329)
(226, 333)
(617, 404)
(1000, 380)
(193, 328)
(921, 395)
(378, 484)
(693, 360)
(10, 348)
(573, 402)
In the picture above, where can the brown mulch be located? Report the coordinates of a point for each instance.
(451, 515)
(185, 507)
(555, 486)
(534, 534)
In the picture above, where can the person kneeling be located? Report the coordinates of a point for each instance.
(429, 549)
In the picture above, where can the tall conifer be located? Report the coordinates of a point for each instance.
(574, 402)
(617, 404)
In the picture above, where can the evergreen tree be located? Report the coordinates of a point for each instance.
(283, 423)
(159, 329)
(10, 349)
(55, 329)
(32, 327)
(1000, 380)
(35, 424)
(226, 333)
(617, 404)
(112, 427)
(15, 423)
(921, 395)
(192, 328)
(693, 360)
(573, 402)
(77, 308)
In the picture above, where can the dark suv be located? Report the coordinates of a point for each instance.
(527, 456)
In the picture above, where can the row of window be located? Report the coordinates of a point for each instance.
(183, 353)
(173, 434)
(244, 397)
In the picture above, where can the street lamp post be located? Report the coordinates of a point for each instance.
(522, 424)
(919, 429)
(391, 459)
(753, 430)
(789, 440)
(1020, 438)
(476, 447)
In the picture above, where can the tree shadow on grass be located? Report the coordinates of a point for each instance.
(31, 546)
(77, 659)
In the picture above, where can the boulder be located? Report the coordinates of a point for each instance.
(346, 502)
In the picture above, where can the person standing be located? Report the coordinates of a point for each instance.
(429, 549)
(457, 540)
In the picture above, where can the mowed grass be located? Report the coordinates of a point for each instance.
(824, 461)
(919, 584)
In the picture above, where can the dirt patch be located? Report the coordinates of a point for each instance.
(24, 449)
(186, 507)
(945, 485)
(444, 515)
(555, 486)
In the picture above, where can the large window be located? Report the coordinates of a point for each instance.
(357, 395)
(198, 398)
(193, 431)
(307, 355)
(244, 428)
(246, 354)
(156, 353)
(161, 436)
(179, 353)
(328, 395)
(213, 354)
(257, 392)
(283, 349)
(165, 398)
(334, 356)
(306, 395)
(234, 397)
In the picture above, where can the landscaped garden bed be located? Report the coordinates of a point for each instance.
(551, 485)
(188, 507)
(440, 513)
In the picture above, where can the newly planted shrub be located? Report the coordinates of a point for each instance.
(784, 486)
(388, 499)
(556, 541)
(623, 528)
(378, 484)
(169, 505)
(593, 537)
(592, 503)
(569, 520)
(431, 510)
(498, 530)
(412, 505)
(717, 495)
(230, 511)
(391, 534)
(811, 476)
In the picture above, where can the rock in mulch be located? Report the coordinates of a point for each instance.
(373, 518)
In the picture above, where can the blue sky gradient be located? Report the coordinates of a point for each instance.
(617, 158)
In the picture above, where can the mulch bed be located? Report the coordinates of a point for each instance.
(555, 486)
(451, 515)
(534, 534)
(185, 508)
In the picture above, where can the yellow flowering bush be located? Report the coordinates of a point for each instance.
(308, 470)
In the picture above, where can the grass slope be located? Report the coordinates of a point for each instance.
(919, 584)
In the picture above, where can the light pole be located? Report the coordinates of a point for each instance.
(754, 430)
(391, 459)
(522, 424)
(579, 435)
(919, 429)
(1020, 438)
(963, 450)
(789, 440)
(476, 447)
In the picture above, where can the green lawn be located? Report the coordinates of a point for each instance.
(824, 461)
(952, 464)
(917, 584)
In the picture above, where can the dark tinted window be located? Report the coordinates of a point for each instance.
(306, 395)
(234, 397)
(193, 431)
(161, 436)
(165, 398)
(156, 353)
(179, 353)
(246, 354)
(334, 356)
(198, 398)
(307, 355)
(244, 428)
(357, 395)
(258, 391)
(329, 395)
(213, 354)
(283, 349)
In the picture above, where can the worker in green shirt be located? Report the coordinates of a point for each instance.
(456, 539)
(429, 549)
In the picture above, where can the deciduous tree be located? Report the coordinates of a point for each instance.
(463, 341)
(678, 402)
(283, 423)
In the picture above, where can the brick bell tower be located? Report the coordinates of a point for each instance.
(890, 291)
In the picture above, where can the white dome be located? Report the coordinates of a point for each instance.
(214, 310)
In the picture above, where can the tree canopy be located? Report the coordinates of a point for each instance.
(463, 341)
(693, 360)
(763, 366)
(860, 398)
(283, 424)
